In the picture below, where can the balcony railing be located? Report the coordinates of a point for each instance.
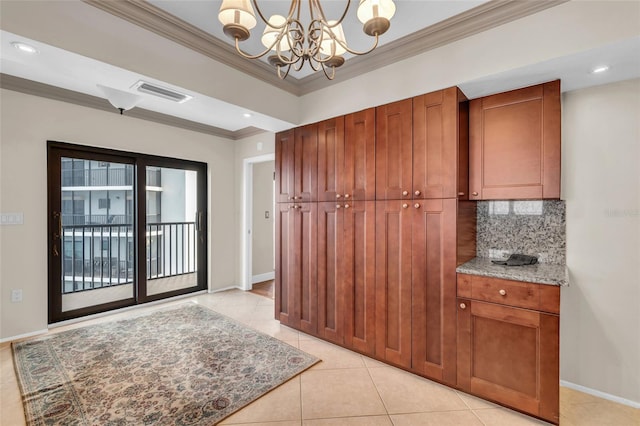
(99, 256)
(103, 219)
(108, 176)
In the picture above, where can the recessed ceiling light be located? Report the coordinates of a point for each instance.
(600, 69)
(23, 47)
(246, 115)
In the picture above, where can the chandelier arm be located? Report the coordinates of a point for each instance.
(323, 19)
(333, 72)
(356, 52)
(249, 56)
(294, 4)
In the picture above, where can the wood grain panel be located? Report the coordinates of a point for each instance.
(359, 276)
(517, 293)
(394, 145)
(331, 146)
(284, 276)
(284, 153)
(359, 172)
(393, 283)
(305, 269)
(306, 163)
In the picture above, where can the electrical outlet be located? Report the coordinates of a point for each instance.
(16, 295)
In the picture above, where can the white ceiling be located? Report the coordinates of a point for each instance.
(410, 17)
(62, 68)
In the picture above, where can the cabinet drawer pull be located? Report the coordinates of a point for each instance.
(405, 205)
(338, 195)
(475, 194)
(460, 194)
(405, 193)
(346, 206)
(338, 206)
(503, 292)
(417, 193)
(346, 195)
(416, 205)
(463, 306)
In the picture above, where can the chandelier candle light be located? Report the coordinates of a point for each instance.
(322, 44)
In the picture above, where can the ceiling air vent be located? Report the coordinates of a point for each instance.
(163, 92)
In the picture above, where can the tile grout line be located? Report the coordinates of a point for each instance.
(377, 391)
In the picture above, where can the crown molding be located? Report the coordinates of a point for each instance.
(156, 20)
(481, 18)
(30, 87)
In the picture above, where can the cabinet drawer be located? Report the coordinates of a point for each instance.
(520, 294)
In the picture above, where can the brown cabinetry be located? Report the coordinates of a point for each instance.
(346, 157)
(297, 164)
(394, 147)
(514, 140)
(346, 286)
(296, 260)
(507, 353)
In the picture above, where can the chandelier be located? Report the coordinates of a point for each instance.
(321, 43)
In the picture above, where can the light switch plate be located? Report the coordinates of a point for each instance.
(11, 218)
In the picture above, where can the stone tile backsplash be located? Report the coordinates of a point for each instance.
(532, 227)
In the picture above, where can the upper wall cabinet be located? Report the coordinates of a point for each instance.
(346, 157)
(297, 164)
(394, 146)
(440, 145)
(515, 144)
(422, 147)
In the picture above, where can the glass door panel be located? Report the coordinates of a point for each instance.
(171, 230)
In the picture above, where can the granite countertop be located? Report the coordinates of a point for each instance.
(540, 273)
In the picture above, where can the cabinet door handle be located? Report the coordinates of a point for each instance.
(405, 205)
(405, 193)
(416, 205)
(346, 195)
(475, 194)
(417, 193)
(463, 306)
(503, 292)
(460, 194)
(338, 206)
(338, 196)
(346, 206)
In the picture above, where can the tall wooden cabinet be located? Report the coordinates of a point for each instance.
(515, 144)
(297, 165)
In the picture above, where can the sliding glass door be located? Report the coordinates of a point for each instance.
(124, 229)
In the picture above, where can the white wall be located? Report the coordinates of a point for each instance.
(262, 230)
(600, 312)
(27, 123)
(254, 146)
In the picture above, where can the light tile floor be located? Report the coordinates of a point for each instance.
(345, 388)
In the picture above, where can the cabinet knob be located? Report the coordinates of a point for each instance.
(405, 193)
(475, 194)
(463, 306)
(338, 195)
(503, 292)
(346, 195)
(460, 194)
(338, 206)
(416, 205)
(346, 206)
(405, 205)
(417, 193)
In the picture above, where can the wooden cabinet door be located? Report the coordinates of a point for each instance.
(359, 172)
(509, 355)
(359, 276)
(435, 144)
(434, 289)
(285, 263)
(515, 144)
(331, 272)
(284, 147)
(305, 184)
(296, 268)
(393, 281)
(331, 144)
(394, 145)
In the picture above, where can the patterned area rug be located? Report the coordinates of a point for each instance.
(183, 366)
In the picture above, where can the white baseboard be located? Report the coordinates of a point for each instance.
(263, 277)
(600, 394)
(22, 336)
(218, 290)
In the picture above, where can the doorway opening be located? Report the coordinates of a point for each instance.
(258, 257)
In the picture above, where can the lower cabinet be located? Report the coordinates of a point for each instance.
(296, 260)
(507, 353)
(346, 280)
